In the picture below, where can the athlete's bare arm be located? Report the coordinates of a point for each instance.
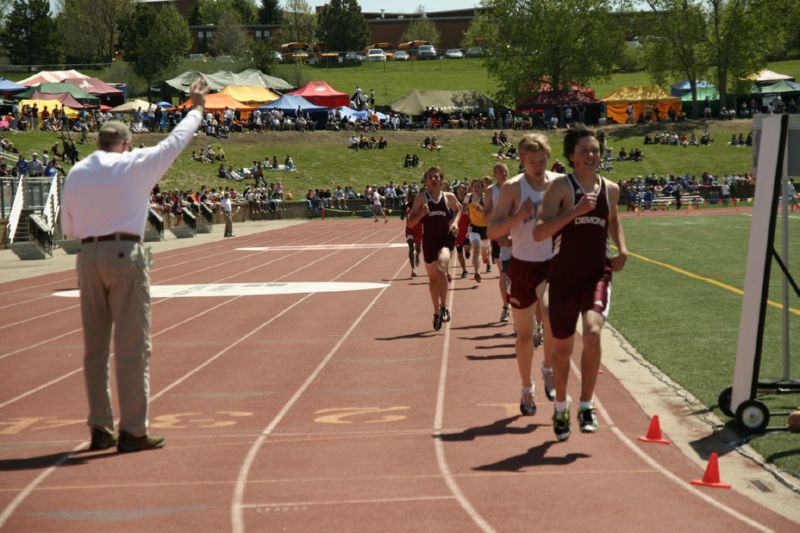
(615, 228)
(505, 215)
(419, 210)
(455, 207)
(556, 211)
(488, 201)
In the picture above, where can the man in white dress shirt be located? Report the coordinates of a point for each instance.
(105, 205)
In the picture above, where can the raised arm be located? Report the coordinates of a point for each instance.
(455, 208)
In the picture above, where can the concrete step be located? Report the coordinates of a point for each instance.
(29, 251)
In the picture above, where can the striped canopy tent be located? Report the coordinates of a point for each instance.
(41, 104)
(64, 98)
(253, 95)
(51, 76)
(645, 99)
(60, 88)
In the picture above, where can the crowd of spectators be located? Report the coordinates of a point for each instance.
(640, 192)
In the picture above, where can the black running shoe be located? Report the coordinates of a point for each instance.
(527, 405)
(464, 274)
(561, 424)
(445, 314)
(437, 321)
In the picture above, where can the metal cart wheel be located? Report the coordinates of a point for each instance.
(724, 402)
(753, 416)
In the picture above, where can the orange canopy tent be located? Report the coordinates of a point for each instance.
(645, 99)
(218, 102)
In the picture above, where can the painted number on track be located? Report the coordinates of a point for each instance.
(218, 419)
(362, 415)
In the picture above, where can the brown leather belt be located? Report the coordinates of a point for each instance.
(112, 237)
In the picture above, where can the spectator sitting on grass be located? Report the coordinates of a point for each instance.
(289, 164)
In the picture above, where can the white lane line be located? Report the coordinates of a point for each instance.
(346, 502)
(684, 484)
(438, 444)
(237, 516)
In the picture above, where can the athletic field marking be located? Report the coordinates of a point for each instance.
(237, 516)
(438, 445)
(313, 247)
(245, 289)
(712, 281)
(348, 502)
(684, 484)
(339, 415)
(23, 495)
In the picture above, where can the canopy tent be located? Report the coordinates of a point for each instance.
(349, 112)
(254, 95)
(320, 93)
(416, 102)
(549, 103)
(65, 99)
(223, 78)
(645, 99)
(93, 86)
(765, 77)
(219, 102)
(778, 87)
(8, 86)
(51, 76)
(71, 113)
(290, 103)
(60, 88)
(709, 92)
(131, 105)
(683, 87)
(545, 87)
(165, 105)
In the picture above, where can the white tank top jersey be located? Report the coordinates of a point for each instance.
(523, 246)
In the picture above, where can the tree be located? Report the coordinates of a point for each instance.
(341, 26)
(298, 22)
(270, 12)
(153, 40)
(31, 35)
(679, 45)
(422, 28)
(262, 55)
(229, 37)
(539, 43)
(211, 11)
(90, 27)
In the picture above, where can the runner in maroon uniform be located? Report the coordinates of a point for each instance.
(463, 228)
(580, 213)
(437, 211)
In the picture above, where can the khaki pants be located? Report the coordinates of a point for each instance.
(228, 223)
(115, 290)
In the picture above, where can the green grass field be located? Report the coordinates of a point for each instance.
(688, 328)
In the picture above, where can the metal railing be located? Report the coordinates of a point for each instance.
(156, 221)
(16, 212)
(41, 233)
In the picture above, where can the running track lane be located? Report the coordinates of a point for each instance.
(356, 449)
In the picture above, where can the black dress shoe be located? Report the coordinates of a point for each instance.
(102, 440)
(129, 443)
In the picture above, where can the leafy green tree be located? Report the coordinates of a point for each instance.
(90, 27)
(30, 35)
(422, 28)
(679, 45)
(270, 12)
(229, 37)
(341, 26)
(298, 22)
(154, 40)
(541, 42)
(211, 11)
(261, 55)
(123, 72)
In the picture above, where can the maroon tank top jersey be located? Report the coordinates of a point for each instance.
(580, 248)
(436, 224)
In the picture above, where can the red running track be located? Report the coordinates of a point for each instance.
(325, 411)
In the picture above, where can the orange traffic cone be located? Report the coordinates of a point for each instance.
(654, 432)
(711, 477)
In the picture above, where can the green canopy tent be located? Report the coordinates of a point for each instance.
(709, 92)
(60, 88)
(416, 102)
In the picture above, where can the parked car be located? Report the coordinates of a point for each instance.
(426, 51)
(454, 53)
(401, 55)
(376, 54)
(475, 51)
(353, 57)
